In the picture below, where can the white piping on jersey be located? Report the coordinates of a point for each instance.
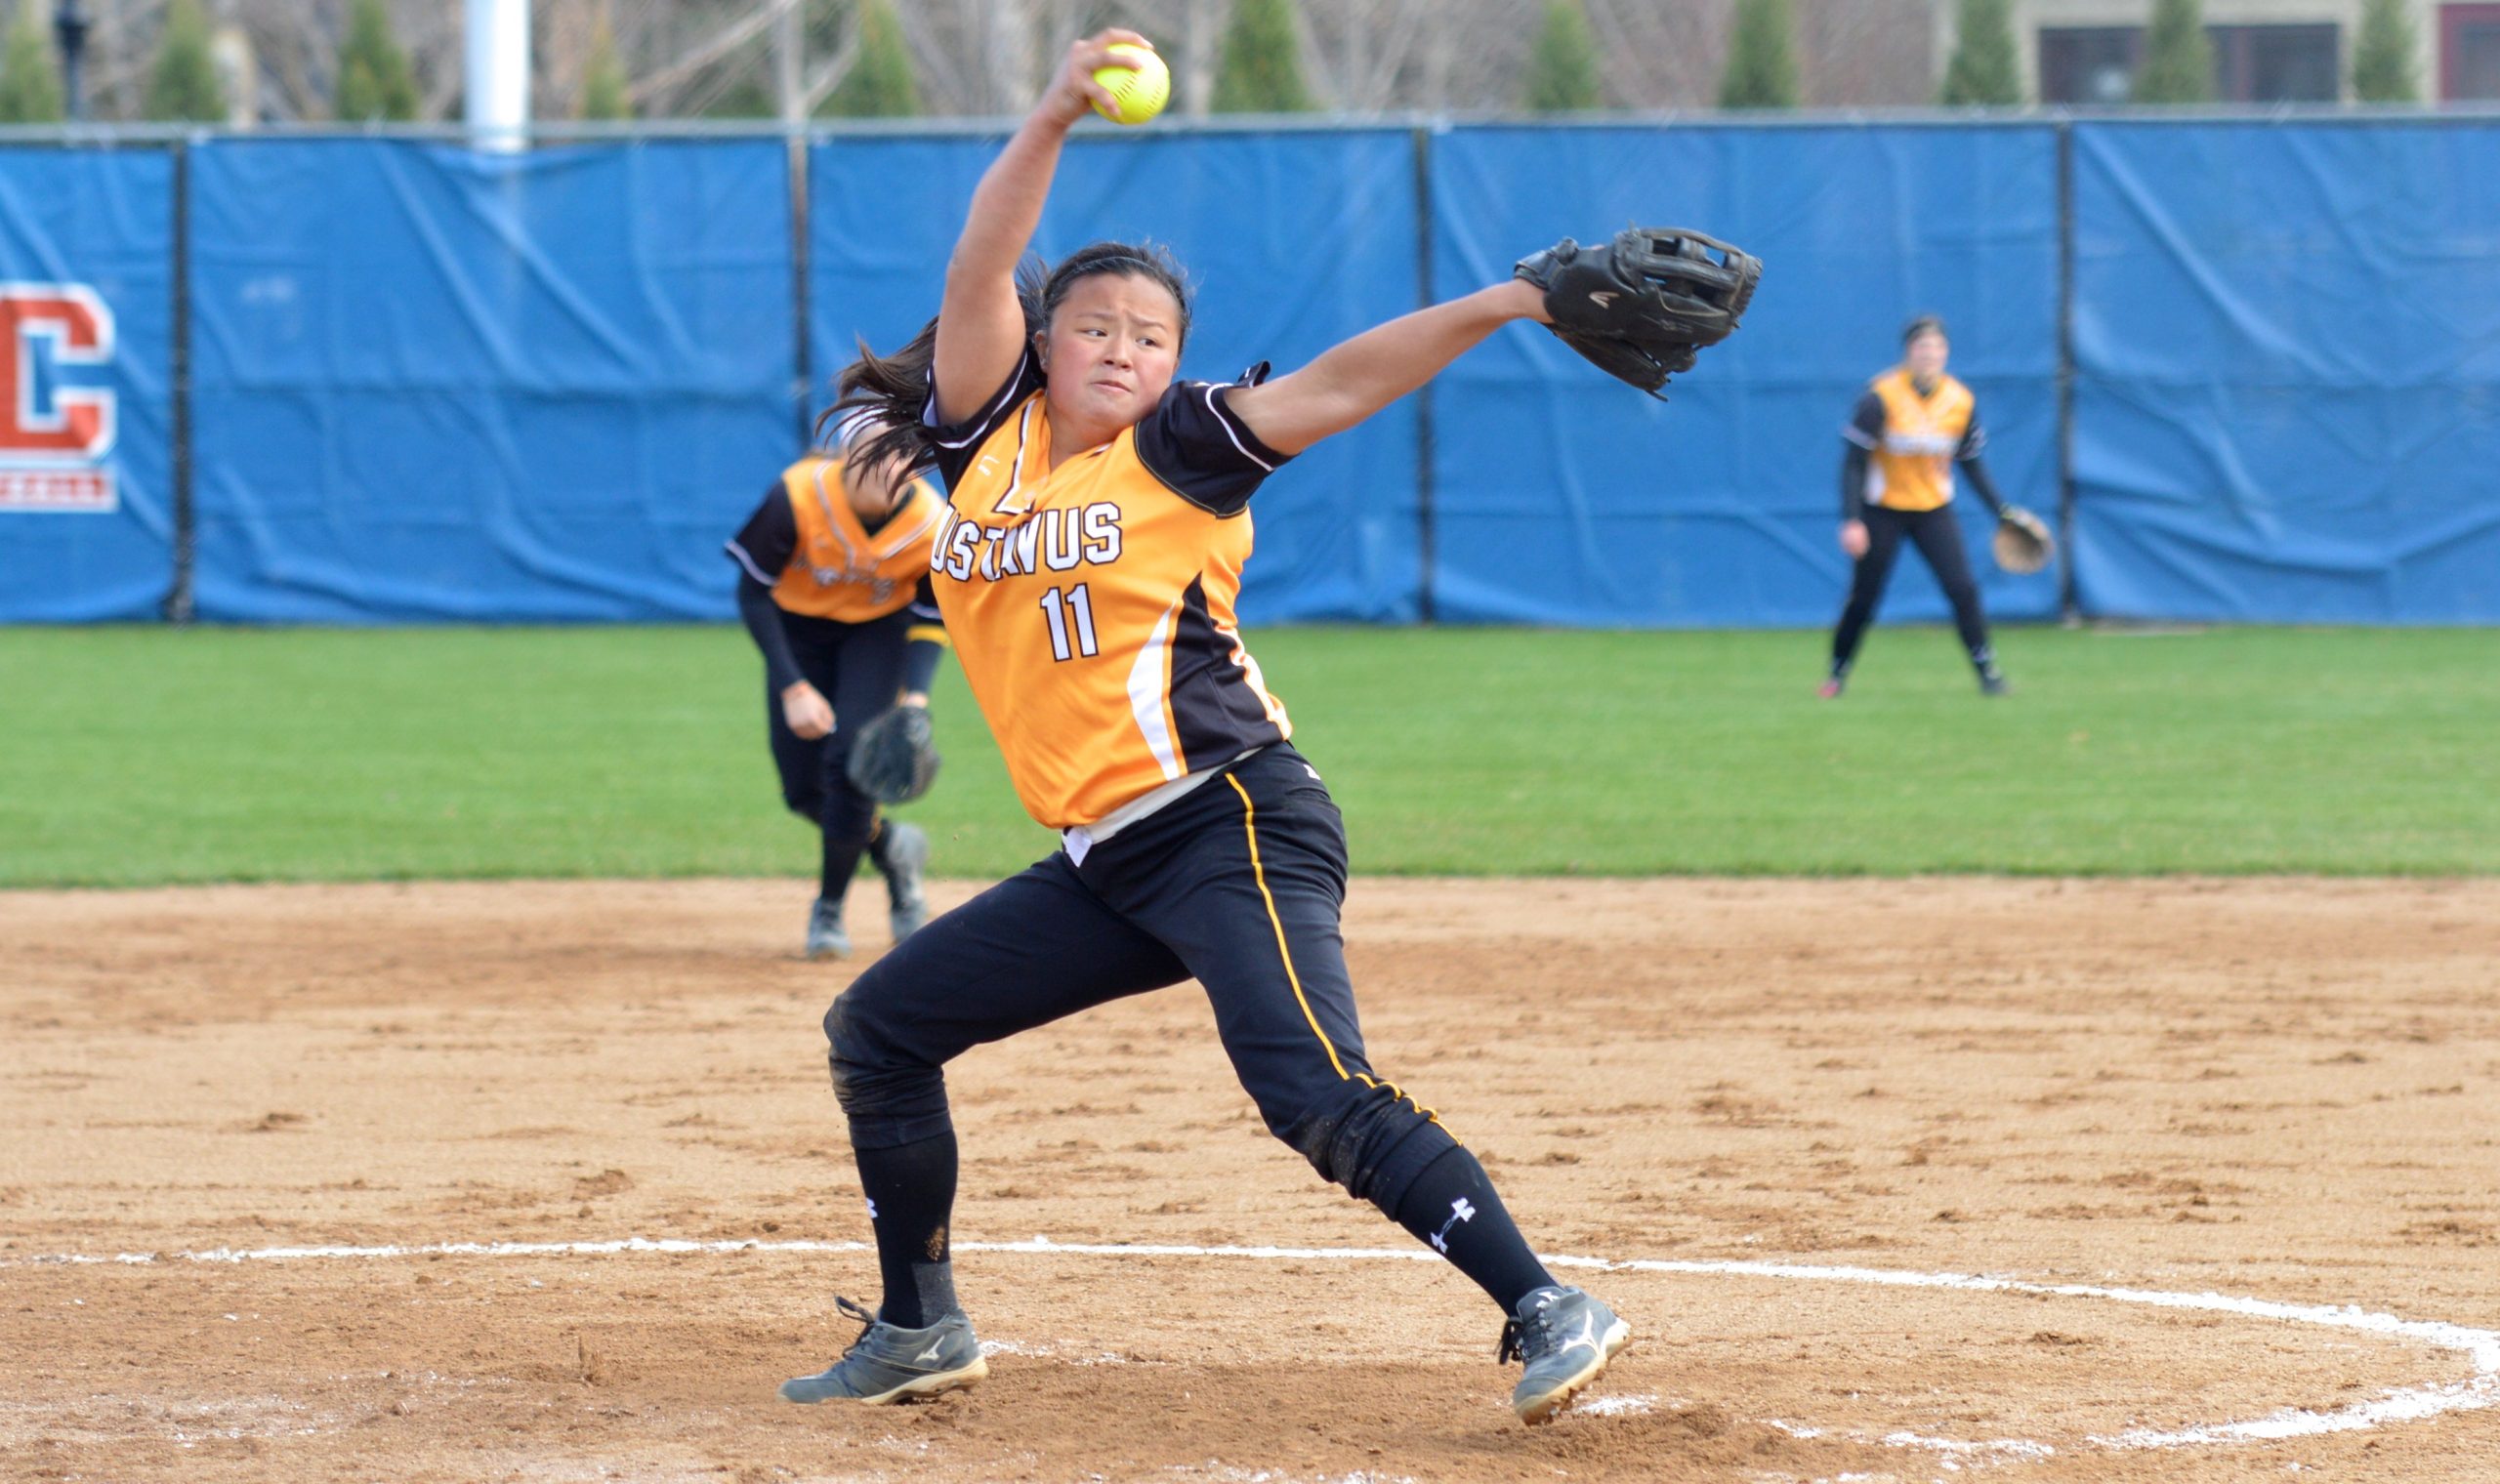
(1148, 682)
(1003, 505)
(752, 571)
(937, 508)
(1243, 657)
(1225, 422)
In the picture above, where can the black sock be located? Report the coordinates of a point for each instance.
(1452, 1208)
(911, 1197)
(841, 863)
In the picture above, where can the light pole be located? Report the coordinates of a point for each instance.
(71, 29)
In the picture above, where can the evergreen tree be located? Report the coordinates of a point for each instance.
(746, 98)
(29, 89)
(2383, 56)
(2179, 60)
(1563, 71)
(182, 85)
(1983, 72)
(1260, 71)
(880, 84)
(375, 84)
(1762, 65)
(605, 96)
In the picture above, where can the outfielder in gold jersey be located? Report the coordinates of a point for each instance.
(1907, 434)
(1099, 517)
(833, 585)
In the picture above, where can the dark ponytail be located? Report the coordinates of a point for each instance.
(889, 390)
(893, 390)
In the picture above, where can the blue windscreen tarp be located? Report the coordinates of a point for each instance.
(436, 383)
(1293, 240)
(86, 344)
(2287, 344)
(1564, 497)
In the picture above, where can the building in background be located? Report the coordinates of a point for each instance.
(2085, 53)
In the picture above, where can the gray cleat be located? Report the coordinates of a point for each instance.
(1567, 1337)
(825, 938)
(904, 861)
(886, 1364)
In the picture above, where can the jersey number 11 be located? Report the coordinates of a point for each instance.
(1060, 609)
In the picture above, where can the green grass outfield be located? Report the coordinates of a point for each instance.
(138, 756)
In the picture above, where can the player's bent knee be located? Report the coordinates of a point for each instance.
(890, 1094)
(1369, 1139)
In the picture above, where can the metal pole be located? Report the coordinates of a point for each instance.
(497, 73)
(789, 66)
(1424, 446)
(71, 29)
(805, 391)
(179, 604)
(2070, 610)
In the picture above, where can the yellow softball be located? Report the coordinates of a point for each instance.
(1140, 91)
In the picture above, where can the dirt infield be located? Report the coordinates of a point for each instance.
(1778, 1095)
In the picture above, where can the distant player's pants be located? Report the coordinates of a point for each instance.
(1238, 884)
(858, 670)
(1938, 538)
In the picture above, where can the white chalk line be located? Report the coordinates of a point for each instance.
(2404, 1405)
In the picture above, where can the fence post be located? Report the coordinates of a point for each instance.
(804, 393)
(2071, 612)
(177, 607)
(1424, 534)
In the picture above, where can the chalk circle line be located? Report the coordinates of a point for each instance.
(2481, 1346)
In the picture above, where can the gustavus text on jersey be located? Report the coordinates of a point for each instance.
(1045, 540)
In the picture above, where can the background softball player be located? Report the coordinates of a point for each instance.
(1909, 432)
(1088, 565)
(834, 586)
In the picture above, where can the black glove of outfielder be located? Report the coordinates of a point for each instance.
(1642, 306)
(895, 759)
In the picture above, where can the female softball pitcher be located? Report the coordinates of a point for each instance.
(833, 585)
(1088, 563)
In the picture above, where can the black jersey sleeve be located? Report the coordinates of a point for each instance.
(1201, 451)
(763, 619)
(1865, 425)
(764, 545)
(1974, 440)
(959, 443)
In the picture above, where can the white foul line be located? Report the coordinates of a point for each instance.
(2409, 1404)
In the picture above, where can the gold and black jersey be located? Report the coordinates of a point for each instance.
(807, 544)
(1912, 440)
(1090, 605)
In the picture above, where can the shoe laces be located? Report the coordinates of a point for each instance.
(868, 1322)
(1530, 1337)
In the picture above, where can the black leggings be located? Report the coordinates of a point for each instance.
(1938, 537)
(1237, 884)
(858, 670)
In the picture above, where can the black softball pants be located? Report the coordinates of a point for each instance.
(1239, 885)
(1938, 538)
(858, 670)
